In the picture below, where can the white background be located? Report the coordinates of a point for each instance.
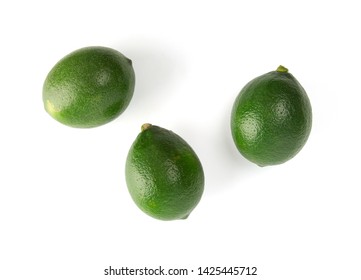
(64, 207)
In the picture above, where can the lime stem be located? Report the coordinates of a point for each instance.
(282, 69)
(145, 126)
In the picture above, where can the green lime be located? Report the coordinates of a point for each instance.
(164, 175)
(271, 118)
(89, 87)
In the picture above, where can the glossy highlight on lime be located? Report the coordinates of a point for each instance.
(89, 87)
(271, 118)
(164, 175)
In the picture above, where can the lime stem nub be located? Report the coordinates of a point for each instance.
(282, 69)
(185, 217)
(145, 126)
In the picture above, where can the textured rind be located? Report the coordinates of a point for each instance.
(271, 119)
(89, 87)
(164, 175)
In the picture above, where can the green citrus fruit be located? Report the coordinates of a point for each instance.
(271, 118)
(89, 87)
(164, 175)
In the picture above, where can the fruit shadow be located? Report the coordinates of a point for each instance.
(225, 167)
(156, 68)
